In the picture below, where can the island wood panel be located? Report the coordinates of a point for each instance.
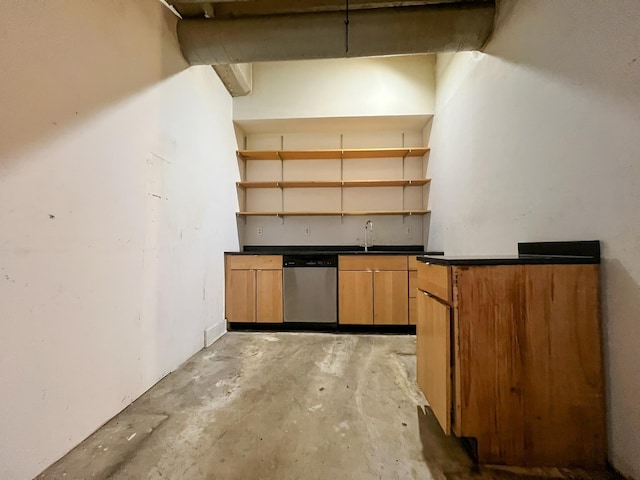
(413, 262)
(433, 357)
(372, 262)
(355, 300)
(529, 378)
(436, 280)
(240, 296)
(566, 379)
(390, 300)
(269, 296)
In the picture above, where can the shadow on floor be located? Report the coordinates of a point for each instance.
(448, 459)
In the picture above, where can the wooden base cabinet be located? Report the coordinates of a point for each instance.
(434, 351)
(253, 288)
(240, 293)
(525, 357)
(390, 300)
(269, 296)
(355, 298)
(372, 290)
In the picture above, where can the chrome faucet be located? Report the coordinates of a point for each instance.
(367, 226)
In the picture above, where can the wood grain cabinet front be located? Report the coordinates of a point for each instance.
(413, 290)
(269, 296)
(373, 290)
(433, 348)
(355, 298)
(240, 296)
(390, 299)
(523, 347)
(253, 288)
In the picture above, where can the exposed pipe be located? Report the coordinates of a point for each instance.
(374, 32)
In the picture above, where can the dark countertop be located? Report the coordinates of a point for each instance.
(448, 260)
(530, 253)
(333, 249)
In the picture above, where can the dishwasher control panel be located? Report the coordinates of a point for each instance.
(310, 260)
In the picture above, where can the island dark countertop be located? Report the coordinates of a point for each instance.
(529, 253)
(448, 260)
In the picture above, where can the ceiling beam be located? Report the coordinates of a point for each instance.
(242, 8)
(305, 36)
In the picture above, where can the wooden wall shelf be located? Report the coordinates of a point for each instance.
(331, 154)
(341, 155)
(334, 184)
(333, 213)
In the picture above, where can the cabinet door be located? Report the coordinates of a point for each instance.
(433, 356)
(355, 298)
(413, 313)
(269, 296)
(241, 296)
(390, 299)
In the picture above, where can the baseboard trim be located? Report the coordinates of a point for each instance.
(212, 334)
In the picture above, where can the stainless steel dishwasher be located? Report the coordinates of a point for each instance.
(310, 288)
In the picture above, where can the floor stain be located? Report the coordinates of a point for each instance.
(286, 406)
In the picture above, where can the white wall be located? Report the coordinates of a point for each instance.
(355, 87)
(116, 173)
(538, 139)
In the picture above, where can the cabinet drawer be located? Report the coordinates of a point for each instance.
(254, 262)
(436, 280)
(413, 262)
(372, 262)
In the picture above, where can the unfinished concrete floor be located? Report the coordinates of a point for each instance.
(284, 406)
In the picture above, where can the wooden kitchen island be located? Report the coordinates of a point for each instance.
(509, 354)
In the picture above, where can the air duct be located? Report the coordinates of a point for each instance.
(306, 36)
